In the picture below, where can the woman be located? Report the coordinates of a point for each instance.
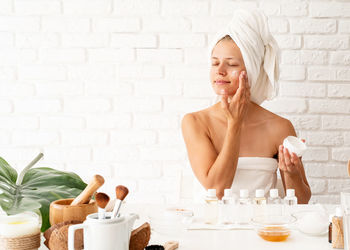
(236, 143)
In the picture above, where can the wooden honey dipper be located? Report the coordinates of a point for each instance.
(85, 196)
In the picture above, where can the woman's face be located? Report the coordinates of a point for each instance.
(226, 65)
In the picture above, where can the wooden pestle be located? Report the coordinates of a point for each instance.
(85, 196)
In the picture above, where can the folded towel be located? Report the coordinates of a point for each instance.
(249, 30)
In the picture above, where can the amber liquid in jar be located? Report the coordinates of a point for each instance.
(274, 233)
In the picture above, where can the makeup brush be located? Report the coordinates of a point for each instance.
(349, 168)
(85, 196)
(102, 200)
(121, 192)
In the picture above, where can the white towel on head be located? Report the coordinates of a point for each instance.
(260, 52)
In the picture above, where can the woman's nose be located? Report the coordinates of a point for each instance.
(221, 70)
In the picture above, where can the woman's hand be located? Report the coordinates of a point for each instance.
(289, 164)
(236, 109)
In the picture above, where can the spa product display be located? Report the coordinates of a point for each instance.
(273, 227)
(290, 198)
(337, 229)
(274, 198)
(20, 231)
(35, 189)
(111, 233)
(244, 207)
(227, 208)
(294, 145)
(259, 198)
(211, 207)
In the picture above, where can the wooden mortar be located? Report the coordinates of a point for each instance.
(61, 210)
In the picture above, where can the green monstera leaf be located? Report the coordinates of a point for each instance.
(35, 189)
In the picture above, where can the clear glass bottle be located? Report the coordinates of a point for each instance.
(290, 198)
(244, 207)
(274, 197)
(259, 202)
(211, 207)
(290, 201)
(259, 197)
(244, 197)
(226, 205)
(274, 203)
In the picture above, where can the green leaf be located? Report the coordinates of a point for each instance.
(40, 186)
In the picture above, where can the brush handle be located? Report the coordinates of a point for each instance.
(171, 245)
(116, 208)
(85, 196)
(101, 214)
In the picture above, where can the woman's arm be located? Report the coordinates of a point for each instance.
(292, 169)
(213, 169)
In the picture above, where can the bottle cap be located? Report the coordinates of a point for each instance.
(211, 193)
(290, 192)
(244, 193)
(273, 193)
(228, 192)
(259, 193)
(338, 212)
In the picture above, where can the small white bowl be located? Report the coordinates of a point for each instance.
(294, 145)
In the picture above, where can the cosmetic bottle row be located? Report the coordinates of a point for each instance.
(232, 209)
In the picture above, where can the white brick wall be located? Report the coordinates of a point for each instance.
(100, 86)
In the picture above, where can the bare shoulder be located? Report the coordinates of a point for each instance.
(195, 121)
(278, 126)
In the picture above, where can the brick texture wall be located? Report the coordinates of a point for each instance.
(100, 86)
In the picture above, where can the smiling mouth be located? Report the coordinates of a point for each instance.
(221, 82)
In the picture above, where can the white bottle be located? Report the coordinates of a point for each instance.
(274, 203)
(259, 202)
(226, 210)
(244, 207)
(259, 197)
(290, 198)
(244, 197)
(211, 207)
(274, 198)
(290, 201)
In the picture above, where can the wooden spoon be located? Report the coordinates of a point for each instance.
(85, 196)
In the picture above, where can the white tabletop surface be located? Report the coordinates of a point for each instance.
(225, 239)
